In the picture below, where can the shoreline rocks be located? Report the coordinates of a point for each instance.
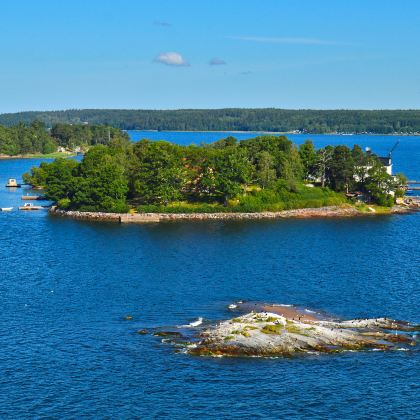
(270, 334)
(321, 212)
(306, 213)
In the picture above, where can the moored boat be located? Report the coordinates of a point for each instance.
(32, 197)
(12, 183)
(30, 206)
(6, 208)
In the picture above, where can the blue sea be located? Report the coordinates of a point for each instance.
(67, 351)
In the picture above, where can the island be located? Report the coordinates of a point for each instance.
(284, 330)
(260, 177)
(37, 140)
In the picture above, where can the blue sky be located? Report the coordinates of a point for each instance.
(166, 54)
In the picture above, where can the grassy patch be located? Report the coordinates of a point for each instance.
(271, 319)
(54, 155)
(255, 200)
(366, 208)
(272, 329)
(291, 328)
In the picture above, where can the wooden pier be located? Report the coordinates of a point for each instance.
(32, 197)
(410, 185)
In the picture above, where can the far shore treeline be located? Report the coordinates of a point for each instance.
(35, 138)
(266, 173)
(233, 119)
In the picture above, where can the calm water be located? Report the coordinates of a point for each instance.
(65, 286)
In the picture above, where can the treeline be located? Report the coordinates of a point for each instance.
(233, 119)
(264, 173)
(69, 135)
(22, 139)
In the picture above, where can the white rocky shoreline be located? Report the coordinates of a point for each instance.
(267, 334)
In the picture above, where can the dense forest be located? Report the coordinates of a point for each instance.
(264, 173)
(35, 138)
(234, 119)
(22, 139)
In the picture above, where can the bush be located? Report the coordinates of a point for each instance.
(64, 203)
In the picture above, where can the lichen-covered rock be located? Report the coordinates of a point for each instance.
(271, 334)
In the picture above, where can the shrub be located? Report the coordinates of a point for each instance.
(64, 203)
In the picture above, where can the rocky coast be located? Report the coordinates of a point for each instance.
(306, 213)
(286, 331)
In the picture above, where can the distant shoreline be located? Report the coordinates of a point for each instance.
(38, 156)
(275, 132)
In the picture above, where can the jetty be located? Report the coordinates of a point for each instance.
(410, 187)
(30, 206)
(32, 197)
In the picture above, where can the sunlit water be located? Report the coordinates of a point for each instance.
(65, 287)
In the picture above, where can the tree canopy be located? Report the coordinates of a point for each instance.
(233, 119)
(266, 172)
(23, 139)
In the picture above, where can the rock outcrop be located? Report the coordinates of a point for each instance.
(271, 334)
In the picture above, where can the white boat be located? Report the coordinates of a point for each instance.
(6, 208)
(30, 206)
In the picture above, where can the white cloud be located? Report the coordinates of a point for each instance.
(171, 59)
(284, 40)
(217, 62)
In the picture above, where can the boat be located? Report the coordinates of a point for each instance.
(30, 206)
(12, 183)
(6, 208)
(32, 197)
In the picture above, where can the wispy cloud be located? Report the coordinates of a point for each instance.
(217, 62)
(171, 59)
(284, 40)
(160, 23)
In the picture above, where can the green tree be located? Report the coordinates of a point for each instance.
(102, 183)
(309, 159)
(380, 185)
(266, 174)
(158, 175)
(341, 170)
(57, 178)
(230, 170)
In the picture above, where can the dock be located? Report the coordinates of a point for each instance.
(30, 206)
(410, 184)
(32, 197)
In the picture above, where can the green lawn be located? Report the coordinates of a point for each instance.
(255, 201)
(53, 155)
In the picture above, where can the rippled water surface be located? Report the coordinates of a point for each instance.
(65, 287)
